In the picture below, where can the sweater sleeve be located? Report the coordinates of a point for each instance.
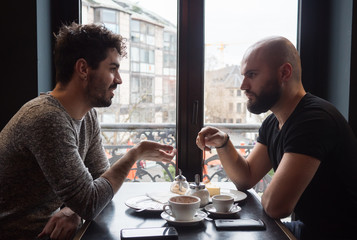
(54, 142)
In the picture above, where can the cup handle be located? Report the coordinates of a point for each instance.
(166, 210)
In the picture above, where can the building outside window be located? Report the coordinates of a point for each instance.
(141, 90)
(108, 17)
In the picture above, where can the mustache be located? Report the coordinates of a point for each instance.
(247, 92)
(113, 86)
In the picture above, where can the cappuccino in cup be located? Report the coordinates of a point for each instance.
(182, 208)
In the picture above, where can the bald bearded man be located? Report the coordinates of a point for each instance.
(307, 142)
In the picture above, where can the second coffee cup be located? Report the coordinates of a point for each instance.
(222, 203)
(182, 208)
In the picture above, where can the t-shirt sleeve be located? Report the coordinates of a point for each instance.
(313, 135)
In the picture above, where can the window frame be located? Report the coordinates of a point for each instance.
(190, 85)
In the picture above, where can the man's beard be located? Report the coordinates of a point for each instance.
(97, 95)
(101, 102)
(266, 99)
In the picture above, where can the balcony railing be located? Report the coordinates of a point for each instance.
(119, 138)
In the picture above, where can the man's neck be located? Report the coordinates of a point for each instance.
(286, 105)
(72, 100)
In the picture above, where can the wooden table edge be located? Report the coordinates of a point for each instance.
(82, 230)
(287, 232)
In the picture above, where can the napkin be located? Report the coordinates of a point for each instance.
(161, 197)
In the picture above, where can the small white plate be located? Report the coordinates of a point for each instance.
(144, 202)
(211, 209)
(237, 195)
(196, 219)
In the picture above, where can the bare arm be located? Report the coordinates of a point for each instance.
(146, 150)
(244, 173)
(290, 180)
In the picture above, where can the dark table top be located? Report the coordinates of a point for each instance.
(116, 216)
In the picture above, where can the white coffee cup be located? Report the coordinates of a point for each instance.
(182, 208)
(222, 203)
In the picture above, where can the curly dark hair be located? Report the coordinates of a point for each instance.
(89, 42)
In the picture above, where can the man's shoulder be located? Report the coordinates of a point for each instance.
(43, 102)
(42, 109)
(312, 102)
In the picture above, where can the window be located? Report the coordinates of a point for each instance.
(108, 17)
(142, 60)
(239, 107)
(141, 90)
(224, 46)
(230, 28)
(146, 106)
(142, 32)
(208, 91)
(230, 107)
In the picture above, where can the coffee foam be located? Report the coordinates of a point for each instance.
(183, 199)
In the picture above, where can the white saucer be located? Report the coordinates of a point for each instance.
(212, 210)
(237, 195)
(196, 219)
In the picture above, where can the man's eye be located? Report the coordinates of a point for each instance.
(251, 75)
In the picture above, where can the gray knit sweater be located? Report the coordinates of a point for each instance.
(48, 159)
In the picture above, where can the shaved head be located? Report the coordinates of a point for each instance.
(276, 51)
(271, 69)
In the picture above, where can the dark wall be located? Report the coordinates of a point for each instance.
(27, 36)
(352, 117)
(339, 59)
(325, 47)
(44, 46)
(19, 56)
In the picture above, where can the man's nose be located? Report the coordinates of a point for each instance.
(117, 79)
(244, 85)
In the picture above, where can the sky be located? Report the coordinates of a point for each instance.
(236, 23)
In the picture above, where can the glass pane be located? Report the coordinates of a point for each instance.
(135, 26)
(135, 55)
(112, 27)
(146, 105)
(109, 16)
(230, 28)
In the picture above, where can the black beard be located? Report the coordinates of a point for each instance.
(101, 102)
(266, 100)
(98, 100)
(95, 99)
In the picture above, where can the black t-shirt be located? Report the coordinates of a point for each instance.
(328, 205)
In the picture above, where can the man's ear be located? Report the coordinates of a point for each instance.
(285, 71)
(81, 68)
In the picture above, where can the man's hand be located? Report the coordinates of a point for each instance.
(62, 225)
(210, 137)
(145, 150)
(154, 151)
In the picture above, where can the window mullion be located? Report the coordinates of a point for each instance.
(190, 85)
